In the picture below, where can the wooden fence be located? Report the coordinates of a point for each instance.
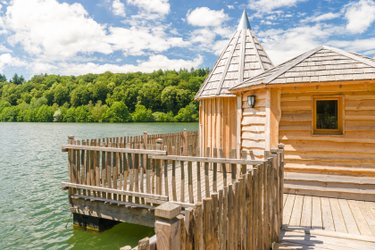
(180, 143)
(199, 202)
(246, 214)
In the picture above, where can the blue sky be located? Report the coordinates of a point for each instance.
(76, 37)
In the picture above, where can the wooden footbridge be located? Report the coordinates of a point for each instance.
(205, 202)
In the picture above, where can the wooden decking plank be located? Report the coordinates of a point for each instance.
(316, 220)
(350, 223)
(288, 208)
(359, 218)
(295, 219)
(327, 215)
(338, 219)
(369, 216)
(285, 197)
(306, 211)
(312, 241)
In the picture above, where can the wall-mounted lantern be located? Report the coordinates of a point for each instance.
(251, 101)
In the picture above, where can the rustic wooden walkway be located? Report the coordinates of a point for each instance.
(312, 222)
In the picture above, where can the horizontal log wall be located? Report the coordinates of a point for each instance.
(217, 121)
(254, 123)
(355, 148)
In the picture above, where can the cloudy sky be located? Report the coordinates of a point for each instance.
(76, 37)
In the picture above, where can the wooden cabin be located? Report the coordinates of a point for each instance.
(242, 59)
(320, 105)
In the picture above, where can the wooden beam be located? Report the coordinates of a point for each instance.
(113, 149)
(206, 159)
(115, 191)
(107, 211)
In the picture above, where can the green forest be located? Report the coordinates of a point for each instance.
(161, 96)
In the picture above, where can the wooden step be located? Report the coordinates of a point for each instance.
(325, 180)
(336, 192)
(349, 171)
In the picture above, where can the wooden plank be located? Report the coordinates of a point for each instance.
(206, 159)
(288, 208)
(182, 181)
(337, 215)
(327, 218)
(369, 216)
(306, 212)
(295, 219)
(190, 182)
(363, 227)
(166, 181)
(115, 191)
(316, 220)
(174, 188)
(115, 149)
(199, 183)
(348, 217)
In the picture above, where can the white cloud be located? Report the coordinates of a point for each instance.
(155, 62)
(282, 45)
(7, 59)
(138, 40)
(322, 17)
(4, 49)
(264, 6)
(205, 17)
(118, 8)
(153, 8)
(358, 45)
(360, 15)
(54, 30)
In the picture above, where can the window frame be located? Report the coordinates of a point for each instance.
(339, 130)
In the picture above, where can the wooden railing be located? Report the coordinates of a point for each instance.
(180, 143)
(217, 203)
(246, 214)
(147, 177)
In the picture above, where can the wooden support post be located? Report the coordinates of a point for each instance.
(185, 142)
(167, 227)
(159, 143)
(145, 139)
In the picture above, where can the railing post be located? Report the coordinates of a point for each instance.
(159, 143)
(185, 142)
(167, 226)
(70, 139)
(145, 139)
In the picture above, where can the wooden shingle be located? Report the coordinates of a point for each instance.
(321, 64)
(242, 58)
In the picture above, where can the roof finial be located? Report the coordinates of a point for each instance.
(244, 22)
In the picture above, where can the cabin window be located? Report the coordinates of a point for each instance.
(327, 115)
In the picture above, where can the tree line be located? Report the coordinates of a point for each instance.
(162, 96)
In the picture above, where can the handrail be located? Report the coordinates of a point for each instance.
(206, 159)
(113, 149)
(114, 191)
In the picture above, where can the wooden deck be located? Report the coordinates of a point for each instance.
(312, 222)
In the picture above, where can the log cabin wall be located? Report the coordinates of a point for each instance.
(254, 124)
(217, 124)
(354, 148)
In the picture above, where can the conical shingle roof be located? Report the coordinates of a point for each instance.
(322, 64)
(242, 58)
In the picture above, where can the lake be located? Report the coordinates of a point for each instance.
(34, 211)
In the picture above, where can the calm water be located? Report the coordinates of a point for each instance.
(34, 211)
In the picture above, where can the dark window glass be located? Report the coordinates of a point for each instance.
(327, 114)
